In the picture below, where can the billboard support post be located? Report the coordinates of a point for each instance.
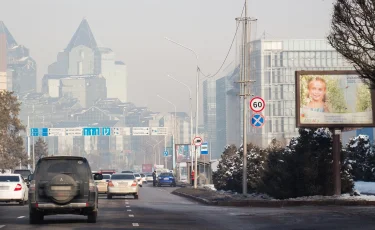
(336, 161)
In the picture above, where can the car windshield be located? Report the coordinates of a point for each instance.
(137, 175)
(142, 175)
(9, 178)
(166, 175)
(122, 177)
(106, 176)
(47, 169)
(126, 172)
(148, 174)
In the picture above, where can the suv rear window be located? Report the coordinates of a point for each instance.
(167, 174)
(122, 177)
(47, 169)
(9, 179)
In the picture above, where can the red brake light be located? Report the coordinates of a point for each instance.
(134, 183)
(18, 187)
(110, 184)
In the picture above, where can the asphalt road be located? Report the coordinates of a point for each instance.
(158, 209)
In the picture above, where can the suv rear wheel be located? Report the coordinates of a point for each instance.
(35, 217)
(92, 216)
(109, 196)
(136, 196)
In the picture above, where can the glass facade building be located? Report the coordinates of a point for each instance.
(209, 114)
(272, 65)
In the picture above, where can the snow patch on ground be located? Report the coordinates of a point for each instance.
(365, 187)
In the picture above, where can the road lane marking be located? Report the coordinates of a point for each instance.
(129, 210)
(128, 206)
(2, 226)
(135, 225)
(21, 217)
(130, 215)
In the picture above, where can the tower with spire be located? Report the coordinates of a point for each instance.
(82, 56)
(17, 68)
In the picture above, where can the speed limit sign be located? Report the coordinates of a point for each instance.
(257, 104)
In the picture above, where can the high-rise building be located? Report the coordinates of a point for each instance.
(272, 65)
(17, 68)
(209, 114)
(82, 56)
(228, 130)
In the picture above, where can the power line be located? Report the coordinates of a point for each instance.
(230, 48)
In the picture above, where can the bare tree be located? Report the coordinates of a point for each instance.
(353, 35)
(41, 149)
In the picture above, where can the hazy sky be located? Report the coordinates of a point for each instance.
(135, 31)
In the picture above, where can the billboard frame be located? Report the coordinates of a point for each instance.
(326, 72)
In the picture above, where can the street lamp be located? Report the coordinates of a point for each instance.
(191, 120)
(153, 149)
(174, 131)
(197, 105)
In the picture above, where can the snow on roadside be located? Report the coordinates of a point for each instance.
(365, 187)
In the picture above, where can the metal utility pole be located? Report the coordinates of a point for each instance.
(244, 90)
(28, 141)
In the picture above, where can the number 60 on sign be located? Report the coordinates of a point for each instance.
(257, 104)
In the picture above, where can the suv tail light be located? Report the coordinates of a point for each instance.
(18, 187)
(32, 186)
(110, 184)
(134, 183)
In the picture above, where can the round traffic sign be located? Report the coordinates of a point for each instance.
(257, 104)
(197, 141)
(258, 120)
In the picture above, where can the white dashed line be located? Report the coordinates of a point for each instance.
(2, 226)
(128, 206)
(21, 217)
(135, 225)
(130, 215)
(129, 210)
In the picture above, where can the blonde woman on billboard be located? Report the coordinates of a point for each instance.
(317, 95)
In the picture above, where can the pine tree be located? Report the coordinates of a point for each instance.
(223, 177)
(361, 157)
(11, 143)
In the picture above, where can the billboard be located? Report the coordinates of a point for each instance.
(333, 99)
(183, 151)
(147, 168)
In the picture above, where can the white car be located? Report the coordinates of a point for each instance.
(143, 178)
(149, 177)
(139, 178)
(123, 184)
(13, 188)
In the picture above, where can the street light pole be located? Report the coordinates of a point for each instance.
(197, 105)
(191, 122)
(174, 132)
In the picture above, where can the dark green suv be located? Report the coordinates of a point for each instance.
(63, 185)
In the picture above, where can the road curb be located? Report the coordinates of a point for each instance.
(278, 203)
(199, 199)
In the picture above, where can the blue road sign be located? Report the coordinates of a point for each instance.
(258, 120)
(165, 153)
(35, 132)
(91, 131)
(106, 131)
(204, 148)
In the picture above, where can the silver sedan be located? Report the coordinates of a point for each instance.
(123, 184)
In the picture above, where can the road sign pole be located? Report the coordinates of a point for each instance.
(28, 142)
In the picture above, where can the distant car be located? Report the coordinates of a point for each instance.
(166, 178)
(138, 178)
(143, 178)
(103, 184)
(23, 172)
(63, 185)
(149, 177)
(126, 171)
(123, 184)
(13, 188)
